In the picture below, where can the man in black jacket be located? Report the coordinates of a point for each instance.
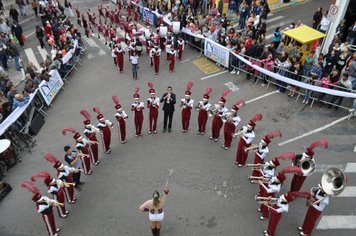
(16, 30)
(168, 99)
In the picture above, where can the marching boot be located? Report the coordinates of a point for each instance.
(157, 231)
(153, 231)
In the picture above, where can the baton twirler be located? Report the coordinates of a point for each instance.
(169, 175)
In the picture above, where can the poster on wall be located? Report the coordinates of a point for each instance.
(216, 52)
(49, 89)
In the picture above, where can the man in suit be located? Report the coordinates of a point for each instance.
(168, 99)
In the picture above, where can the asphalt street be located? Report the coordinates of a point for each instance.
(209, 195)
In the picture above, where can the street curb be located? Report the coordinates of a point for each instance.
(281, 6)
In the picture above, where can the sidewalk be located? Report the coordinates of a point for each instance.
(281, 6)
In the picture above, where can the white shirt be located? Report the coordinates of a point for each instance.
(322, 204)
(134, 60)
(268, 172)
(121, 114)
(190, 103)
(155, 101)
(90, 130)
(236, 120)
(222, 111)
(205, 107)
(324, 24)
(104, 124)
(138, 105)
(41, 208)
(262, 152)
(248, 136)
(54, 188)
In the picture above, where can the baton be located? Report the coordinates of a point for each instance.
(169, 175)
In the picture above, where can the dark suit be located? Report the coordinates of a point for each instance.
(168, 108)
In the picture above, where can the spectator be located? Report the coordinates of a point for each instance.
(40, 35)
(308, 64)
(14, 53)
(1, 5)
(243, 12)
(14, 14)
(315, 74)
(16, 30)
(342, 59)
(344, 85)
(11, 94)
(330, 62)
(296, 70)
(34, 5)
(32, 70)
(232, 8)
(4, 28)
(276, 37)
(30, 87)
(20, 100)
(21, 5)
(324, 24)
(352, 71)
(317, 17)
(3, 56)
(352, 34)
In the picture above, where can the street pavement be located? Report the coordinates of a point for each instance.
(208, 195)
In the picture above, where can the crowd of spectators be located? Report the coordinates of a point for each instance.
(336, 69)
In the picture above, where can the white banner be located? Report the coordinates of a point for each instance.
(216, 52)
(50, 89)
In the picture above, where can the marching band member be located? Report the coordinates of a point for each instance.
(320, 200)
(246, 140)
(55, 187)
(298, 180)
(153, 104)
(263, 150)
(172, 58)
(90, 132)
(100, 10)
(64, 173)
(107, 13)
(82, 145)
(232, 120)
(121, 117)
(104, 126)
(148, 38)
(77, 12)
(169, 42)
(218, 112)
(119, 52)
(156, 54)
(187, 105)
(180, 48)
(138, 107)
(203, 107)
(44, 206)
(154, 207)
(162, 37)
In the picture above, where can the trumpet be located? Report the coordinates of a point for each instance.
(266, 199)
(226, 117)
(213, 111)
(238, 133)
(168, 100)
(253, 147)
(198, 107)
(256, 165)
(264, 180)
(183, 104)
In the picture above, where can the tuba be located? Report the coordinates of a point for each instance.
(333, 181)
(212, 111)
(307, 165)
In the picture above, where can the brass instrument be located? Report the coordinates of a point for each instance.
(212, 111)
(198, 107)
(183, 104)
(255, 179)
(266, 199)
(255, 165)
(253, 147)
(238, 133)
(307, 165)
(226, 117)
(332, 183)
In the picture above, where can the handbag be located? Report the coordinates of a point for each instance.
(23, 37)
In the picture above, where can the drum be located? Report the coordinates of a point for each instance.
(6, 150)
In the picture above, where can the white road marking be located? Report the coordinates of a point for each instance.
(314, 131)
(92, 43)
(268, 36)
(321, 168)
(262, 96)
(230, 85)
(209, 76)
(186, 60)
(280, 24)
(30, 34)
(349, 191)
(355, 149)
(274, 19)
(337, 222)
(43, 52)
(350, 167)
(31, 57)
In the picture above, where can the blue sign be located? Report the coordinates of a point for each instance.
(152, 18)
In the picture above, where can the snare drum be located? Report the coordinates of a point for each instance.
(6, 150)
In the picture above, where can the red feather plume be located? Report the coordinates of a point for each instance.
(208, 90)
(292, 169)
(241, 103)
(65, 130)
(115, 100)
(256, 117)
(225, 92)
(85, 113)
(42, 174)
(30, 186)
(150, 84)
(287, 156)
(189, 85)
(137, 89)
(274, 134)
(96, 110)
(320, 143)
(51, 158)
(295, 194)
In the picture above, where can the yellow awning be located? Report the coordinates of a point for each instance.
(304, 34)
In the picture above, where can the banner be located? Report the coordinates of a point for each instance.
(216, 52)
(152, 17)
(50, 89)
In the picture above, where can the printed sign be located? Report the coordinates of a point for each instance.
(49, 89)
(216, 52)
(147, 14)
